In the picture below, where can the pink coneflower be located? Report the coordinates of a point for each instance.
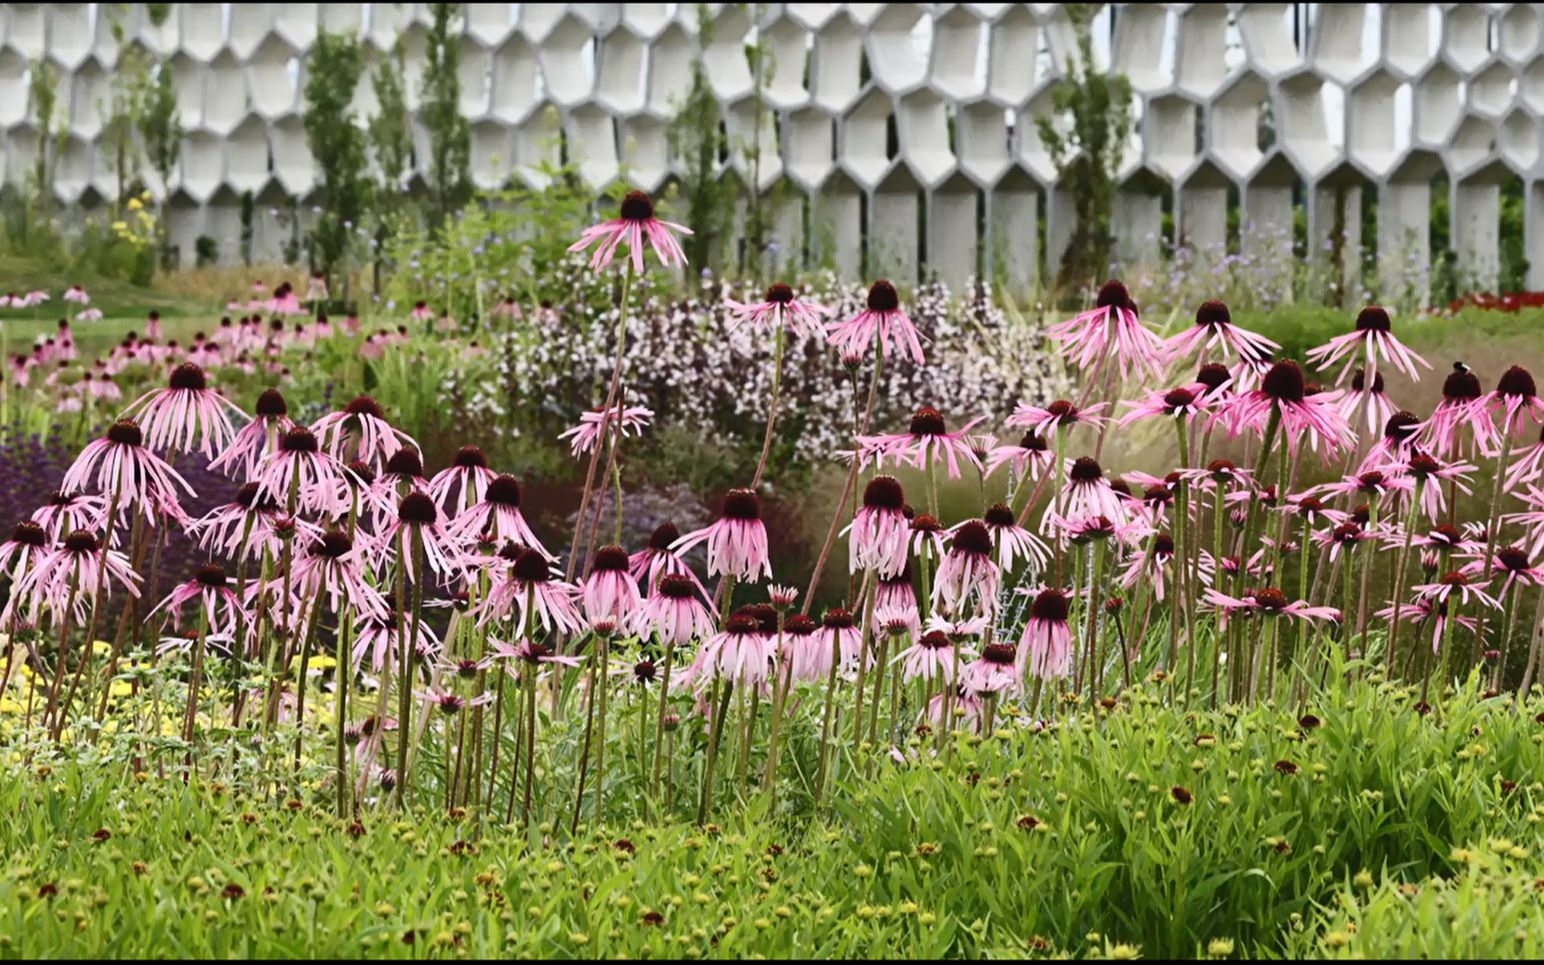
(184, 412)
(270, 419)
(506, 308)
(1284, 392)
(1368, 484)
(1060, 414)
(1444, 539)
(1111, 324)
(212, 593)
(965, 708)
(463, 483)
(79, 564)
(896, 595)
(77, 295)
(28, 542)
(451, 704)
(1344, 536)
(741, 653)
(928, 537)
(1511, 563)
(533, 654)
(996, 670)
(1181, 402)
(1030, 458)
(421, 312)
(1046, 642)
(284, 301)
(361, 425)
(1086, 493)
(609, 590)
(1397, 440)
(418, 529)
(299, 470)
(333, 568)
(316, 288)
(926, 441)
(967, 571)
(1428, 474)
(1455, 583)
(737, 542)
(878, 534)
(676, 611)
(380, 493)
(66, 511)
(882, 320)
(806, 655)
(634, 226)
(134, 477)
(1267, 602)
(1374, 334)
(1365, 401)
(89, 315)
(780, 306)
(1214, 331)
(497, 514)
(380, 639)
(1150, 566)
(1311, 509)
(1515, 398)
(839, 634)
(530, 586)
(1420, 610)
(1014, 542)
(657, 559)
(1462, 407)
(596, 425)
(247, 526)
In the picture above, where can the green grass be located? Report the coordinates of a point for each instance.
(1391, 833)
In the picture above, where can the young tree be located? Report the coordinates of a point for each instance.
(160, 128)
(450, 135)
(391, 136)
(126, 105)
(1088, 154)
(45, 99)
(696, 136)
(337, 143)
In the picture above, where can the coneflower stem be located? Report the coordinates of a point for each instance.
(777, 380)
(1536, 639)
(1509, 623)
(1219, 497)
(847, 492)
(863, 658)
(603, 663)
(611, 400)
(659, 720)
(721, 711)
(1491, 526)
(1366, 585)
(1093, 619)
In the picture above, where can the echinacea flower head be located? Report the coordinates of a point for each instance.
(737, 542)
(28, 542)
(967, 572)
(419, 530)
(1463, 406)
(878, 535)
(1301, 416)
(1267, 602)
(299, 475)
(1456, 583)
(926, 441)
(780, 306)
(462, 483)
(1086, 493)
(360, 431)
(807, 653)
(635, 226)
(676, 611)
(498, 515)
(657, 559)
(1030, 457)
(129, 474)
(740, 654)
(185, 414)
(1046, 641)
(211, 591)
(1516, 400)
(610, 590)
(840, 635)
(597, 425)
(332, 569)
(1111, 325)
(1214, 331)
(882, 322)
(995, 671)
(270, 418)
(1046, 420)
(1180, 402)
(1374, 336)
(530, 588)
(1015, 544)
(80, 567)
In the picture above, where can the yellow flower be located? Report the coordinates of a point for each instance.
(135, 204)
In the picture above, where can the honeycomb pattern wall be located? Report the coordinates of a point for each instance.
(898, 138)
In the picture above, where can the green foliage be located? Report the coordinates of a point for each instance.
(337, 143)
(450, 134)
(1087, 155)
(44, 96)
(248, 214)
(130, 88)
(160, 125)
(1394, 834)
(696, 137)
(391, 136)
